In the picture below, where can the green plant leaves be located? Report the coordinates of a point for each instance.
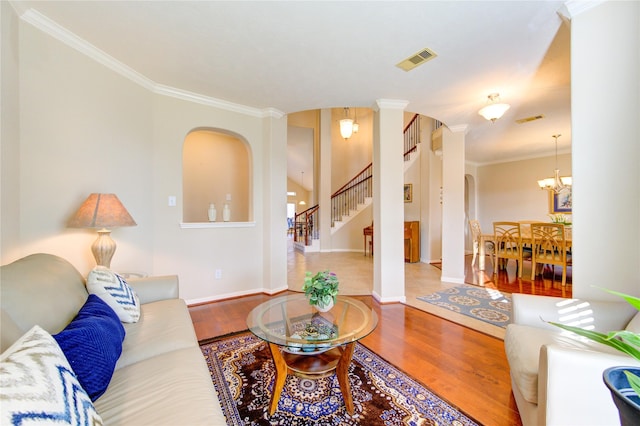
(633, 301)
(321, 288)
(606, 339)
(634, 381)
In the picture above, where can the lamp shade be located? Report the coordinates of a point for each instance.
(101, 211)
(494, 109)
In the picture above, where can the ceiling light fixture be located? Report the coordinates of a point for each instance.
(494, 109)
(302, 202)
(346, 125)
(556, 183)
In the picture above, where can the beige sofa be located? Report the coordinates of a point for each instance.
(161, 378)
(556, 376)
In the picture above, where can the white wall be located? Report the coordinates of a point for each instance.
(350, 236)
(605, 104)
(195, 254)
(84, 128)
(9, 136)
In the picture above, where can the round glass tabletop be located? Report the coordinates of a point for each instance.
(291, 322)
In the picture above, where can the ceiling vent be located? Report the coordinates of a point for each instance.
(417, 59)
(528, 119)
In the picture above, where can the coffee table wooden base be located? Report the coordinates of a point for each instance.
(313, 365)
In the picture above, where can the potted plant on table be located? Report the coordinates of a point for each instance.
(321, 289)
(623, 382)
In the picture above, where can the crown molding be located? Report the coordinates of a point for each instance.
(573, 8)
(521, 158)
(65, 36)
(185, 95)
(60, 33)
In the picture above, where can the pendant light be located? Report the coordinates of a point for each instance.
(346, 125)
(556, 183)
(302, 202)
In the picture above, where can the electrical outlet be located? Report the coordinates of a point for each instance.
(172, 201)
(218, 274)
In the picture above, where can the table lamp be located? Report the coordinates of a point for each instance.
(102, 211)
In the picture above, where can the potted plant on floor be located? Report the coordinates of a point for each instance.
(321, 289)
(623, 382)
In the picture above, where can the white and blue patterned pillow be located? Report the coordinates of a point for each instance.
(38, 387)
(115, 291)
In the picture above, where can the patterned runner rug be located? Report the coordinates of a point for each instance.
(243, 374)
(482, 303)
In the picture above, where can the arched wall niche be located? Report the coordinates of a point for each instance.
(216, 168)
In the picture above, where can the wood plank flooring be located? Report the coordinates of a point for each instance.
(507, 280)
(465, 367)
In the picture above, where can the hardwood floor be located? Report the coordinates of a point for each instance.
(507, 280)
(465, 367)
(468, 368)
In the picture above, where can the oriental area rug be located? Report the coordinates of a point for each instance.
(481, 303)
(243, 373)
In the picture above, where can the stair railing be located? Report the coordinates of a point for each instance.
(306, 225)
(351, 194)
(411, 137)
(354, 192)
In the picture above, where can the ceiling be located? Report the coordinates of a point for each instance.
(296, 56)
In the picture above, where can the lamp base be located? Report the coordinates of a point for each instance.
(103, 248)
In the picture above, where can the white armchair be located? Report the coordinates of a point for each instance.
(556, 376)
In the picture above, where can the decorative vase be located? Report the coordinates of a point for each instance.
(324, 308)
(226, 212)
(212, 212)
(625, 398)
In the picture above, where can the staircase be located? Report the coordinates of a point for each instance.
(352, 198)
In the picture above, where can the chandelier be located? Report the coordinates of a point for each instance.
(556, 183)
(494, 109)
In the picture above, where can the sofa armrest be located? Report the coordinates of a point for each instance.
(535, 311)
(570, 386)
(153, 289)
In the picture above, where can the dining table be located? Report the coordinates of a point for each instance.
(525, 231)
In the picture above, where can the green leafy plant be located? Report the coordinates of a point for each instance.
(321, 289)
(624, 341)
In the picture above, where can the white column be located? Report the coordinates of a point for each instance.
(605, 100)
(274, 187)
(453, 204)
(388, 204)
(324, 183)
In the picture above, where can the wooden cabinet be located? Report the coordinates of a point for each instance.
(412, 242)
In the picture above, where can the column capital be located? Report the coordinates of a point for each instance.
(459, 128)
(390, 104)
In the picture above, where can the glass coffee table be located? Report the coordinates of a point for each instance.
(309, 343)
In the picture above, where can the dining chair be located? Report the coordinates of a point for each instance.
(476, 236)
(508, 245)
(549, 248)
